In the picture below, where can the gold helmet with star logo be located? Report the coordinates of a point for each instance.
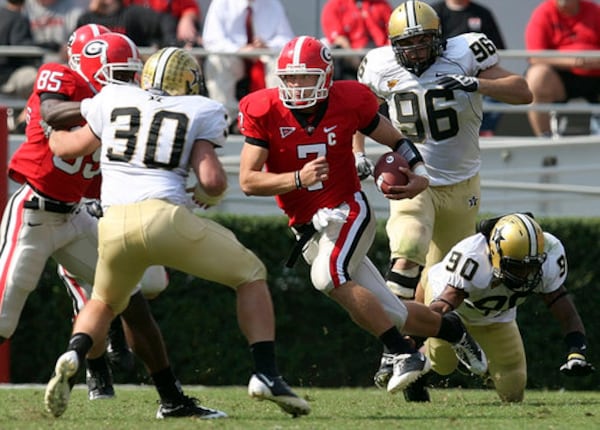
(517, 251)
(415, 34)
(173, 71)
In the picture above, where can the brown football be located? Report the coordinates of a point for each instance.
(386, 171)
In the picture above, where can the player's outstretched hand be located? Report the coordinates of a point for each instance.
(469, 84)
(577, 365)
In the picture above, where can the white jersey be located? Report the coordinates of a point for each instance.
(467, 267)
(147, 140)
(444, 123)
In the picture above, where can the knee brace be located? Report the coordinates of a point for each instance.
(403, 282)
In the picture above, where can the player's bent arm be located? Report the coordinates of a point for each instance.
(254, 181)
(564, 311)
(208, 168)
(450, 299)
(73, 144)
(504, 86)
(61, 114)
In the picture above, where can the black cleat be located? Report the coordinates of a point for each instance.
(187, 407)
(275, 389)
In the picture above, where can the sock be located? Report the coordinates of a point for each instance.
(97, 364)
(394, 343)
(168, 387)
(81, 343)
(451, 328)
(263, 354)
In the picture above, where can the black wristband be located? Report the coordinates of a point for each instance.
(576, 341)
(408, 150)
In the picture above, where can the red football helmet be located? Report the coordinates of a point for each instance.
(304, 55)
(111, 58)
(79, 38)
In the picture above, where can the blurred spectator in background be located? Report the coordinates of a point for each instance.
(242, 26)
(564, 25)
(17, 74)
(52, 22)
(187, 14)
(143, 25)
(464, 16)
(354, 24)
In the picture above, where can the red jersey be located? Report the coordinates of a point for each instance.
(364, 26)
(33, 162)
(548, 28)
(265, 122)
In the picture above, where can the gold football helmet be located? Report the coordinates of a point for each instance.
(407, 23)
(173, 71)
(517, 251)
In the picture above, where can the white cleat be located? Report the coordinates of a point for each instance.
(59, 388)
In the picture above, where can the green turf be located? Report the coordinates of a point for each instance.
(345, 408)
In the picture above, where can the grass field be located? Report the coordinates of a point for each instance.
(345, 408)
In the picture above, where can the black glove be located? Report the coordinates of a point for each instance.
(47, 128)
(469, 84)
(577, 365)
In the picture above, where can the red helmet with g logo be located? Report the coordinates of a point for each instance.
(304, 55)
(111, 58)
(79, 38)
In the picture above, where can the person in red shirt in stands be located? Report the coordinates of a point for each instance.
(354, 24)
(187, 13)
(564, 25)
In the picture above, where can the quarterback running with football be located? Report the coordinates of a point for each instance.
(149, 138)
(484, 278)
(298, 148)
(433, 89)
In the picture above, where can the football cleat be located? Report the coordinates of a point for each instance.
(275, 389)
(407, 369)
(386, 368)
(187, 407)
(58, 390)
(470, 354)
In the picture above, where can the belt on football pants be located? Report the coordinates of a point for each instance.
(306, 232)
(38, 203)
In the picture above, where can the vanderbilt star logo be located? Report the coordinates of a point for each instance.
(286, 131)
(473, 201)
(392, 83)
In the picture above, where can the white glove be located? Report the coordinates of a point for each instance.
(364, 166)
(576, 365)
(325, 216)
(469, 84)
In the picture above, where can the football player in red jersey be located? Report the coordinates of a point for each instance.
(302, 133)
(45, 217)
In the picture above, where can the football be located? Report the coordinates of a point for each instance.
(386, 172)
